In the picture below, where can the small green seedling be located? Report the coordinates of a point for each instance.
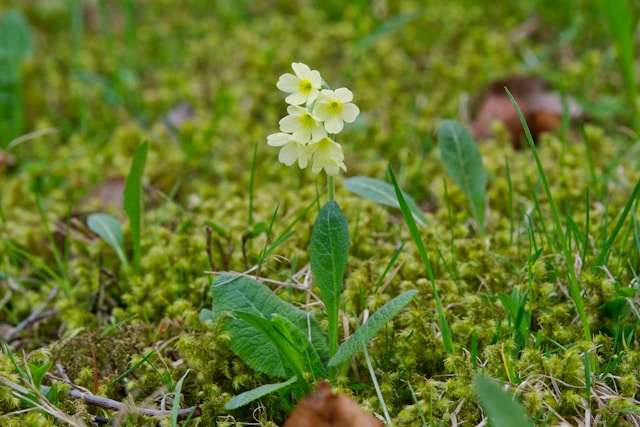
(462, 160)
(109, 229)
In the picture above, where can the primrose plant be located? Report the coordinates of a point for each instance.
(269, 334)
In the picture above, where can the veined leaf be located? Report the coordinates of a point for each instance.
(108, 228)
(238, 293)
(328, 255)
(366, 332)
(300, 342)
(463, 163)
(133, 199)
(381, 192)
(258, 392)
(500, 406)
(292, 359)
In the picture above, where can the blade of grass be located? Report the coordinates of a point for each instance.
(620, 19)
(132, 368)
(447, 339)
(574, 287)
(133, 203)
(58, 257)
(603, 256)
(176, 401)
(374, 379)
(252, 178)
(507, 172)
(415, 402)
(587, 377)
(389, 266)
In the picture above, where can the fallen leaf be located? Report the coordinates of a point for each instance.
(108, 194)
(324, 408)
(541, 106)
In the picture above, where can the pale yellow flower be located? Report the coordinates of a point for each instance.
(334, 107)
(303, 86)
(291, 151)
(302, 124)
(327, 156)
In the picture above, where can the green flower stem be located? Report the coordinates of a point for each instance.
(331, 188)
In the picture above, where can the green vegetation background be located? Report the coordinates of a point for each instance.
(105, 75)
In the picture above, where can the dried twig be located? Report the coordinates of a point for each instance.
(36, 316)
(107, 403)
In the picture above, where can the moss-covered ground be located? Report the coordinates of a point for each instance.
(103, 77)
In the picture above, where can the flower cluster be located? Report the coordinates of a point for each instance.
(313, 114)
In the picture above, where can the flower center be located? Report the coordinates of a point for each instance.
(305, 87)
(335, 107)
(307, 121)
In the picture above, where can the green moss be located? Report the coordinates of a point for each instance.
(224, 64)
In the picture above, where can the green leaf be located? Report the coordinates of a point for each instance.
(258, 392)
(133, 199)
(381, 192)
(242, 294)
(621, 23)
(500, 406)
(292, 359)
(445, 330)
(366, 332)
(300, 342)
(108, 228)
(15, 45)
(463, 163)
(328, 253)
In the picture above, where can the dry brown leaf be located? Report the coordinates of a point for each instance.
(324, 408)
(108, 193)
(541, 106)
(106, 196)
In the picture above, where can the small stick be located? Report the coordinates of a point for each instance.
(107, 403)
(37, 315)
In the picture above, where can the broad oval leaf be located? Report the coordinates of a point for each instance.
(233, 293)
(133, 199)
(108, 228)
(328, 253)
(258, 392)
(500, 406)
(463, 162)
(362, 336)
(383, 193)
